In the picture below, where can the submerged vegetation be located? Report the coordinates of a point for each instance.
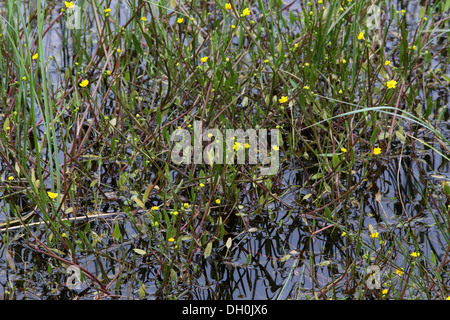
(357, 89)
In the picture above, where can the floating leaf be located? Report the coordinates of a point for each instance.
(285, 258)
(208, 249)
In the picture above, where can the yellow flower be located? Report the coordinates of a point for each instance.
(237, 146)
(108, 72)
(306, 64)
(343, 234)
(344, 61)
(52, 195)
(228, 6)
(107, 10)
(246, 12)
(118, 50)
(218, 201)
(186, 205)
(385, 291)
(143, 19)
(171, 240)
(276, 148)
(340, 91)
(343, 150)
(10, 178)
(175, 213)
(233, 26)
(84, 83)
(448, 298)
(201, 185)
(180, 20)
(415, 254)
(247, 145)
(266, 61)
(69, 4)
(154, 208)
(360, 36)
(414, 48)
(283, 99)
(391, 84)
(374, 235)
(306, 87)
(376, 151)
(399, 272)
(387, 62)
(320, 2)
(403, 12)
(24, 78)
(204, 59)
(35, 56)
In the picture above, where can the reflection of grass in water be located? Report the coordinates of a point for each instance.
(349, 125)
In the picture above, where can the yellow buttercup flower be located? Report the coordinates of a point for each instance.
(399, 272)
(118, 50)
(246, 12)
(374, 235)
(247, 145)
(228, 6)
(283, 99)
(218, 201)
(204, 59)
(306, 87)
(201, 185)
(24, 78)
(52, 195)
(233, 26)
(376, 151)
(237, 146)
(10, 178)
(171, 240)
(391, 84)
(344, 61)
(180, 20)
(343, 150)
(385, 291)
(276, 148)
(175, 213)
(360, 36)
(143, 19)
(84, 83)
(186, 205)
(415, 254)
(107, 10)
(154, 208)
(69, 4)
(35, 56)
(387, 62)
(343, 234)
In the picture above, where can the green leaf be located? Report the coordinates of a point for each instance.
(140, 251)
(285, 258)
(117, 234)
(279, 47)
(327, 212)
(142, 292)
(433, 257)
(335, 160)
(208, 249)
